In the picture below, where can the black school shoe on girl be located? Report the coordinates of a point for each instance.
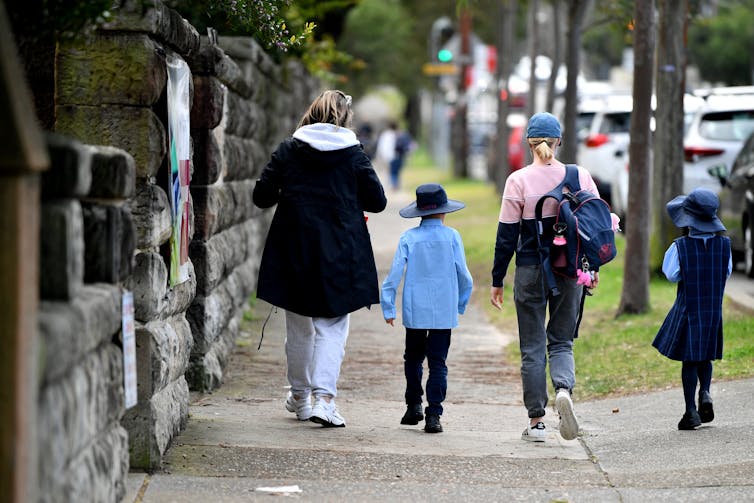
(414, 414)
(706, 412)
(690, 421)
(432, 424)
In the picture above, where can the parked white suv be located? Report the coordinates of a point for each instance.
(603, 126)
(691, 105)
(716, 134)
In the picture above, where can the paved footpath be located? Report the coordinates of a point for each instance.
(241, 440)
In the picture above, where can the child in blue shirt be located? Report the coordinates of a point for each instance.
(436, 289)
(700, 262)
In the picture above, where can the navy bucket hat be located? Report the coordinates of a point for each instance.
(697, 210)
(543, 125)
(430, 200)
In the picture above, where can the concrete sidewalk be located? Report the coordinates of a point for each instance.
(240, 439)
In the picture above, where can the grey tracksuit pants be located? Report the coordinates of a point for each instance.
(314, 348)
(543, 340)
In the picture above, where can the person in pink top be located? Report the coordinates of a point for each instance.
(541, 340)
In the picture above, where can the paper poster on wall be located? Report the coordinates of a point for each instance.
(129, 349)
(179, 110)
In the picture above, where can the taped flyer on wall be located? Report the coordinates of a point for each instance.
(129, 349)
(179, 138)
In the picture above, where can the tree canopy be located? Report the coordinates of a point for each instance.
(385, 59)
(721, 46)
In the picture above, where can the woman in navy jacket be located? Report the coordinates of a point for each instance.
(318, 262)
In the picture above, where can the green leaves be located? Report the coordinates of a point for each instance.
(721, 45)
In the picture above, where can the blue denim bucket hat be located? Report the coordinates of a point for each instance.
(697, 210)
(430, 200)
(543, 125)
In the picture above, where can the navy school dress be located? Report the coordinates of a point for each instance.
(693, 329)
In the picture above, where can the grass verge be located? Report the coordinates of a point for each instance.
(614, 355)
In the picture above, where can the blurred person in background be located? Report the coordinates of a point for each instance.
(385, 152)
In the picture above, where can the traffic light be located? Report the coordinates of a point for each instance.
(441, 32)
(445, 56)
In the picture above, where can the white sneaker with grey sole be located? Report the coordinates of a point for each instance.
(569, 426)
(326, 413)
(302, 407)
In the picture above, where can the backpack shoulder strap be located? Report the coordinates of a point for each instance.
(571, 179)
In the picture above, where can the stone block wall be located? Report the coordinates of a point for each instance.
(86, 249)
(111, 91)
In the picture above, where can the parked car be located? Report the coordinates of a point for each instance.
(603, 126)
(691, 105)
(516, 151)
(716, 134)
(737, 203)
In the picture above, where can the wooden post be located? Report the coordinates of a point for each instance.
(22, 157)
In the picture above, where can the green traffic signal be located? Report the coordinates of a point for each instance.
(444, 56)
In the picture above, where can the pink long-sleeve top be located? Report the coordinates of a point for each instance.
(516, 231)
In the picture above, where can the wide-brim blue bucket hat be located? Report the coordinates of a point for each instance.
(697, 210)
(431, 199)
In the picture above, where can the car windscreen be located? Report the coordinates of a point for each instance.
(584, 124)
(619, 122)
(731, 125)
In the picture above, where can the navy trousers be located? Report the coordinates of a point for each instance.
(432, 344)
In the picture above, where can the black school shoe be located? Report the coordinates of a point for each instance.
(414, 414)
(432, 424)
(706, 412)
(690, 421)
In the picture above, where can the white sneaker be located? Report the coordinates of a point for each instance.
(302, 407)
(536, 433)
(326, 413)
(569, 426)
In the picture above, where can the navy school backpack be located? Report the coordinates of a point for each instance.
(582, 237)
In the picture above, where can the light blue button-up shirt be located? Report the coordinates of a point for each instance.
(437, 286)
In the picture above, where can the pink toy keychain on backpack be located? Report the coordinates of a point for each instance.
(560, 240)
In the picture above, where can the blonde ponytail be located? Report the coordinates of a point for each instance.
(543, 148)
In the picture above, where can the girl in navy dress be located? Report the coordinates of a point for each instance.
(700, 262)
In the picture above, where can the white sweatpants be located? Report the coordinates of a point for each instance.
(314, 348)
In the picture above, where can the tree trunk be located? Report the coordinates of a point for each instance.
(576, 11)
(557, 56)
(533, 37)
(668, 144)
(635, 294)
(501, 161)
(460, 131)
